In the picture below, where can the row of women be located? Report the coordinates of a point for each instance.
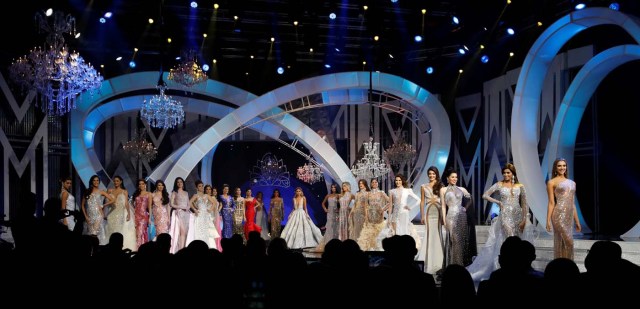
(201, 217)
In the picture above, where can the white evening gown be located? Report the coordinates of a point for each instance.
(300, 232)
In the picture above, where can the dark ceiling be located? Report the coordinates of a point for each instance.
(344, 43)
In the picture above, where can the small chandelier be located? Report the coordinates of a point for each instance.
(140, 148)
(400, 153)
(162, 111)
(56, 74)
(188, 72)
(371, 165)
(310, 173)
(270, 171)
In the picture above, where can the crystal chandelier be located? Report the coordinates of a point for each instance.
(140, 148)
(270, 171)
(371, 165)
(188, 72)
(56, 74)
(310, 173)
(162, 111)
(400, 153)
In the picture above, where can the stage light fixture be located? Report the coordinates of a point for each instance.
(484, 59)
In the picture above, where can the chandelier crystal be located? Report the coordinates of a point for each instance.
(371, 165)
(162, 111)
(188, 72)
(310, 173)
(270, 171)
(56, 74)
(400, 153)
(139, 148)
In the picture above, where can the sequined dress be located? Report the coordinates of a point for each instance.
(117, 222)
(70, 206)
(95, 216)
(201, 226)
(357, 215)
(276, 217)
(562, 219)
(238, 217)
(368, 240)
(343, 215)
(300, 232)
(250, 213)
(457, 230)
(160, 214)
(331, 227)
(228, 208)
(141, 215)
(261, 220)
(180, 216)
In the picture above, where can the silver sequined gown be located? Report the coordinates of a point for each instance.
(562, 219)
(457, 230)
(331, 227)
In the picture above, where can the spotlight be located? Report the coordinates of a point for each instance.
(332, 16)
(484, 58)
(455, 20)
(103, 20)
(119, 58)
(150, 20)
(280, 70)
(394, 1)
(205, 67)
(580, 6)
(614, 6)
(461, 51)
(510, 31)
(216, 6)
(328, 66)
(132, 64)
(194, 4)
(108, 15)
(429, 70)
(417, 38)
(511, 54)
(460, 71)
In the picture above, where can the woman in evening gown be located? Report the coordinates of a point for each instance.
(561, 210)
(401, 208)
(374, 219)
(250, 214)
(276, 213)
(228, 208)
(160, 208)
(432, 251)
(92, 205)
(455, 218)
(215, 215)
(261, 216)
(344, 203)
(510, 222)
(357, 214)
(239, 217)
(68, 204)
(300, 232)
(120, 217)
(201, 225)
(142, 201)
(180, 214)
(330, 207)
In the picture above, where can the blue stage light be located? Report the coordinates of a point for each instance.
(132, 64)
(418, 38)
(614, 6)
(429, 70)
(510, 31)
(280, 70)
(484, 58)
(205, 67)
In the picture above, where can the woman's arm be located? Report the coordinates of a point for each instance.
(551, 204)
(63, 207)
(192, 203)
(126, 205)
(422, 202)
(575, 217)
(443, 190)
(487, 195)
(524, 205)
(324, 203)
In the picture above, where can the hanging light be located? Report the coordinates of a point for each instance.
(371, 165)
(162, 111)
(310, 172)
(57, 75)
(188, 72)
(400, 153)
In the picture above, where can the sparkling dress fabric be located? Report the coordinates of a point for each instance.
(228, 208)
(94, 224)
(70, 205)
(277, 215)
(300, 232)
(432, 250)
(250, 213)
(506, 224)
(238, 217)
(141, 216)
(400, 213)
(160, 214)
(457, 231)
(331, 227)
(343, 215)
(179, 226)
(562, 219)
(201, 226)
(374, 223)
(217, 223)
(117, 222)
(357, 215)
(261, 220)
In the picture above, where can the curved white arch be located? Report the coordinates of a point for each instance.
(420, 98)
(576, 99)
(526, 102)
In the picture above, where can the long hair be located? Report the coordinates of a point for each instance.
(137, 192)
(366, 185)
(448, 173)
(165, 194)
(438, 185)
(87, 192)
(175, 184)
(348, 184)
(512, 168)
(404, 180)
(554, 169)
(121, 182)
(274, 193)
(334, 185)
